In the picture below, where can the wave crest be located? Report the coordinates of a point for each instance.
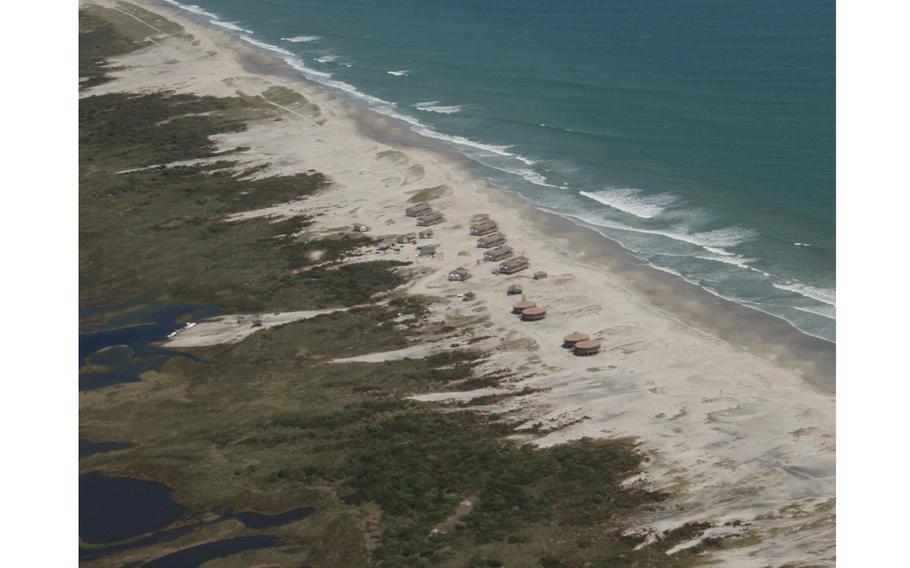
(633, 201)
(434, 106)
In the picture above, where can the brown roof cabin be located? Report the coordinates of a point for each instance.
(484, 228)
(533, 314)
(498, 253)
(513, 290)
(418, 210)
(570, 340)
(459, 275)
(587, 347)
(426, 234)
(408, 238)
(427, 250)
(430, 219)
(513, 265)
(359, 228)
(540, 275)
(490, 241)
(521, 306)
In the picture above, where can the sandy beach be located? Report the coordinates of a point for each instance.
(735, 409)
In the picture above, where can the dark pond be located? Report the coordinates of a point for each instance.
(197, 555)
(87, 448)
(86, 553)
(112, 509)
(257, 521)
(123, 349)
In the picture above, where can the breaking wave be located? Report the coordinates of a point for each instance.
(633, 201)
(434, 106)
(302, 39)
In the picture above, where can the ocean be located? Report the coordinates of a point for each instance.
(699, 135)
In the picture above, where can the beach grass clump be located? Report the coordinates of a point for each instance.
(428, 193)
(169, 221)
(265, 430)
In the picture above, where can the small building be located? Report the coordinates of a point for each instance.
(484, 228)
(384, 244)
(408, 238)
(468, 296)
(540, 275)
(493, 240)
(521, 306)
(533, 314)
(570, 340)
(418, 210)
(498, 253)
(587, 347)
(360, 228)
(513, 265)
(427, 250)
(513, 290)
(430, 219)
(459, 275)
(425, 234)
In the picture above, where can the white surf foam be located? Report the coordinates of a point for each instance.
(711, 241)
(399, 73)
(825, 296)
(434, 106)
(193, 9)
(230, 26)
(633, 201)
(728, 258)
(829, 312)
(266, 46)
(302, 39)
(326, 58)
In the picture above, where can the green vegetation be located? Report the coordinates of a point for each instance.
(271, 423)
(428, 193)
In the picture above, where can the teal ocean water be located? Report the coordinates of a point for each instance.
(700, 135)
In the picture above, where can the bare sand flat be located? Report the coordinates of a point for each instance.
(738, 422)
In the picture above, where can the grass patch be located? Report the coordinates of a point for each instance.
(428, 194)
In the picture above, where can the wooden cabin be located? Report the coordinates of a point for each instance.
(408, 238)
(489, 241)
(533, 314)
(430, 219)
(513, 265)
(418, 210)
(425, 234)
(521, 306)
(427, 250)
(359, 228)
(587, 347)
(459, 275)
(498, 253)
(540, 275)
(513, 290)
(484, 228)
(570, 340)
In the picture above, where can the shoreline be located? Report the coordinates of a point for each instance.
(741, 394)
(755, 331)
(414, 132)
